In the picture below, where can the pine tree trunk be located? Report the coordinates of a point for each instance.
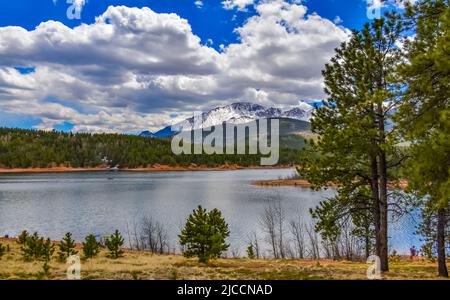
(375, 205)
(367, 246)
(383, 214)
(382, 172)
(441, 243)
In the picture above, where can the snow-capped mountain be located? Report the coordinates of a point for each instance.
(244, 112)
(236, 113)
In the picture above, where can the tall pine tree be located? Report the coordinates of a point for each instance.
(424, 116)
(357, 148)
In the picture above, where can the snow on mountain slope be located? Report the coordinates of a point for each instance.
(237, 113)
(244, 112)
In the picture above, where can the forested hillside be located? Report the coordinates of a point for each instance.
(21, 148)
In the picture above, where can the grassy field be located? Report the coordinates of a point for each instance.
(139, 265)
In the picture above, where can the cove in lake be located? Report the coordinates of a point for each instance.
(100, 202)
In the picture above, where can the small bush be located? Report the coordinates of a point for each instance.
(3, 249)
(22, 238)
(251, 251)
(66, 247)
(90, 246)
(114, 244)
(45, 273)
(35, 247)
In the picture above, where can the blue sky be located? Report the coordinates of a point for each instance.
(209, 22)
(69, 77)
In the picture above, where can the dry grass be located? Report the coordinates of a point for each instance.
(139, 265)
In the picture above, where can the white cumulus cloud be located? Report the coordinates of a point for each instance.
(133, 68)
(239, 4)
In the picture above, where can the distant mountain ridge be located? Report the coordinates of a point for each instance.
(236, 113)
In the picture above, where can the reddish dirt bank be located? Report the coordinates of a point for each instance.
(155, 168)
(283, 182)
(49, 170)
(402, 184)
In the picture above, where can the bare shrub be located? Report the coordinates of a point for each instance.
(153, 236)
(273, 224)
(253, 241)
(297, 228)
(346, 245)
(314, 242)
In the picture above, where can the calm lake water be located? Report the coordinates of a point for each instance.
(100, 202)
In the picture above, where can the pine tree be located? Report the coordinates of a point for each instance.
(66, 247)
(3, 250)
(204, 235)
(356, 149)
(251, 251)
(90, 246)
(35, 247)
(424, 116)
(428, 230)
(48, 248)
(31, 246)
(21, 239)
(114, 244)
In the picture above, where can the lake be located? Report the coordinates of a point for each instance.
(100, 202)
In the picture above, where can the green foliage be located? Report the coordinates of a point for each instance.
(251, 251)
(204, 235)
(424, 120)
(333, 214)
(45, 273)
(66, 247)
(3, 250)
(46, 269)
(48, 248)
(424, 116)
(21, 148)
(114, 244)
(37, 248)
(22, 238)
(354, 150)
(427, 230)
(90, 246)
(429, 251)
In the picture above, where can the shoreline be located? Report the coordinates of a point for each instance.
(156, 168)
(302, 183)
(283, 182)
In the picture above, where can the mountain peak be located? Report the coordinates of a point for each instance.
(146, 133)
(247, 106)
(238, 113)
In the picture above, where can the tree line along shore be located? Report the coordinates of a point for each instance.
(28, 150)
